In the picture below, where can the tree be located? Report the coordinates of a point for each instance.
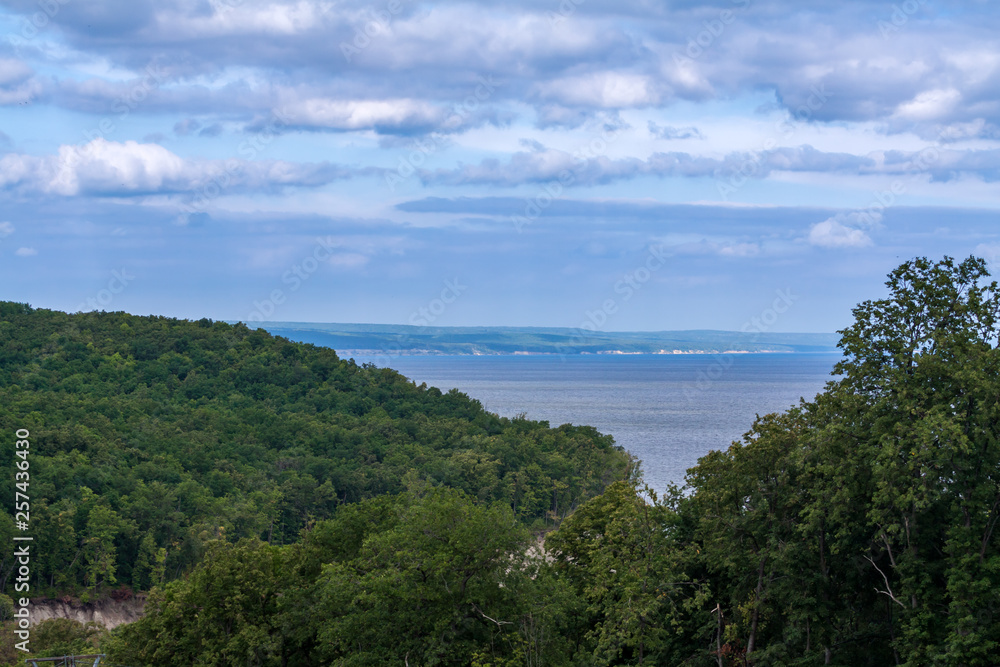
(926, 363)
(629, 556)
(859, 528)
(432, 589)
(222, 614)
(103, 525)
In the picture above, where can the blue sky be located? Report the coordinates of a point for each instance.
(352, 161)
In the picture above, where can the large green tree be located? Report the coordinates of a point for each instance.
(859, 528)
(926, 367)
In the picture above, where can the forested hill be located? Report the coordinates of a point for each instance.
(857, 529)
(151, 437)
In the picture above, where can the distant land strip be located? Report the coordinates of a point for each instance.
(372, 340)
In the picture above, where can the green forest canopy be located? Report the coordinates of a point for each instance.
(152, 437)
(856, 529)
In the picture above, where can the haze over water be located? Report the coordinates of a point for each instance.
(668, 410)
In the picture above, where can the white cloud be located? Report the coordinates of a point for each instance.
(6, 229)
(26, 252)
(671, 132)
(867, 218)
(108, 165)
(740, 250)
(833, 233)
(237, 18)
(930, 105)
(17, 83)
(361, 114)
(111, 168)
(607, 90)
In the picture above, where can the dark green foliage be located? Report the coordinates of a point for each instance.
(152, 437)
(629, 559)
(860, 528)
(856, 529)
(432, 579)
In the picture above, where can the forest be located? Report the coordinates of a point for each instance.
(284, 507)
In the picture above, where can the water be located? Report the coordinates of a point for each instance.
(668, 410)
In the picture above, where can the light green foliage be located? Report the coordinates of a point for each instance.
(62, 636)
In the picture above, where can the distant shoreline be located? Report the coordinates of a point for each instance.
(375, 340)
(603, 353)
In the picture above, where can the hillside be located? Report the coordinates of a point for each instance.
(856, 529)
(151, 437)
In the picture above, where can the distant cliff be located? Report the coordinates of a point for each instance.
(374, 340)
(107, 612)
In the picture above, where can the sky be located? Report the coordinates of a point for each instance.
(622, 165)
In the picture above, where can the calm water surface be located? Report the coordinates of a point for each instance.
(668, 410)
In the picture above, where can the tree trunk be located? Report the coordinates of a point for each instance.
(755, 616)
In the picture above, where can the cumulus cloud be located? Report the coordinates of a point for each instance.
(669, 132)
(930, 105)
(614, 90)
(18, 84)
(391, 114)
(6, 229)
(218, 65)
(109, 168)
(542, 164)
(606, 55)
(25, 252)
(739, 250)
(843, 231)
(546, 164)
